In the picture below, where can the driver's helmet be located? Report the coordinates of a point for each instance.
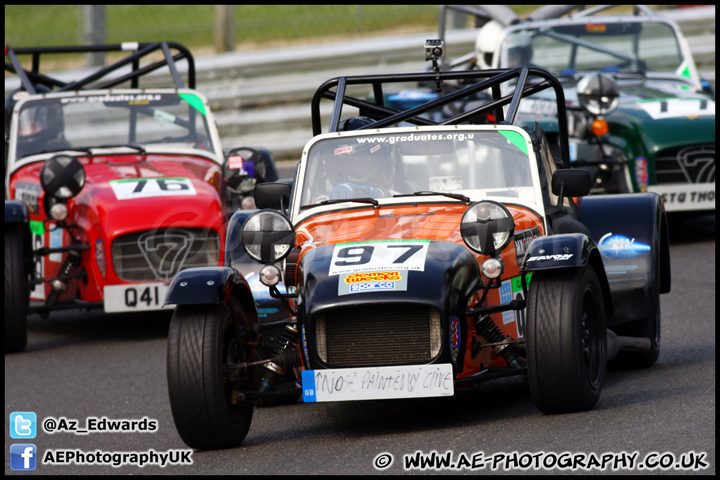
(360, 164)
(39, 124)
(487, 42)
(519, 49)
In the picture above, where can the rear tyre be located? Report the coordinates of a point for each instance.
(16, 291)
(566, 339)
(202, 342)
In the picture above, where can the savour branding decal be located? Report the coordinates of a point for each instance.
(151, 187)
(372, 282)
(387, 256)
(554, 257)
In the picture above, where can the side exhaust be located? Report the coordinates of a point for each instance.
(616, 343)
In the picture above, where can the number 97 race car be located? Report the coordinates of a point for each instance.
(110, 191)
(415, 259)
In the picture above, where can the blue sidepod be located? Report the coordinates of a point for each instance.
(632, 236)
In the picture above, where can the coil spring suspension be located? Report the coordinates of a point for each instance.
(285, 356)
(487, 328)
(59, 283)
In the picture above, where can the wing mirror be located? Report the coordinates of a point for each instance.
(571, 182)
(275, 196)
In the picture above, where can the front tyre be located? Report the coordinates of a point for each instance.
(16, 292)
(566, 339)
(203, 341)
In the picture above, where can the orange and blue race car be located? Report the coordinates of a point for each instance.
(415, 258)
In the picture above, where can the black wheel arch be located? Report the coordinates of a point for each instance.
(568, 250)
(211, 285)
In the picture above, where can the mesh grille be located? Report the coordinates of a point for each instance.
(378, 335)
(157, 255)
(693, 164)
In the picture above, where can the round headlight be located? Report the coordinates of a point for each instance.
(268, 236)
(598, 93)
(62, 176)
(487, 227)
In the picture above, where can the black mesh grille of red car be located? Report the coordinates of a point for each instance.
(378, 335)
(157, 255)
(693, 164)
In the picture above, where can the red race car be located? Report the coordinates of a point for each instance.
(110, 192)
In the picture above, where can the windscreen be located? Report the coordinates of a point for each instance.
(472, 163)
(601, 46)
(174, 120)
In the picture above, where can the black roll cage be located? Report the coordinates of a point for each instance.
(479, 80)
(30, 78)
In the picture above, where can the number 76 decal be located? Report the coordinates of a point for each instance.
(377, 256)
(151, 187)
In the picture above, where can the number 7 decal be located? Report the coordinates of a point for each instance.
(377, 256)
(411, 250)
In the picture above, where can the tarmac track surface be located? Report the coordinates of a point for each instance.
(80, 365)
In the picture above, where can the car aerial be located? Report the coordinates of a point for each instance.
(417, 258)
(110, 190)
(655, 131)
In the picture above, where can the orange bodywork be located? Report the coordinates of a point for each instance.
(436, 222)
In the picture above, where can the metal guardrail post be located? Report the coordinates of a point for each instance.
(94, 32)
(224, 28)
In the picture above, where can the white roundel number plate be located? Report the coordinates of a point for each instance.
(151, 187)
(378, 256)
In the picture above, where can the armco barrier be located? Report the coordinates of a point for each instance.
(262, 97)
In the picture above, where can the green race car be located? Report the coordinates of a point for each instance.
(640, 117)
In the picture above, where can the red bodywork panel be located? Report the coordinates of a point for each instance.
(101, 217)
